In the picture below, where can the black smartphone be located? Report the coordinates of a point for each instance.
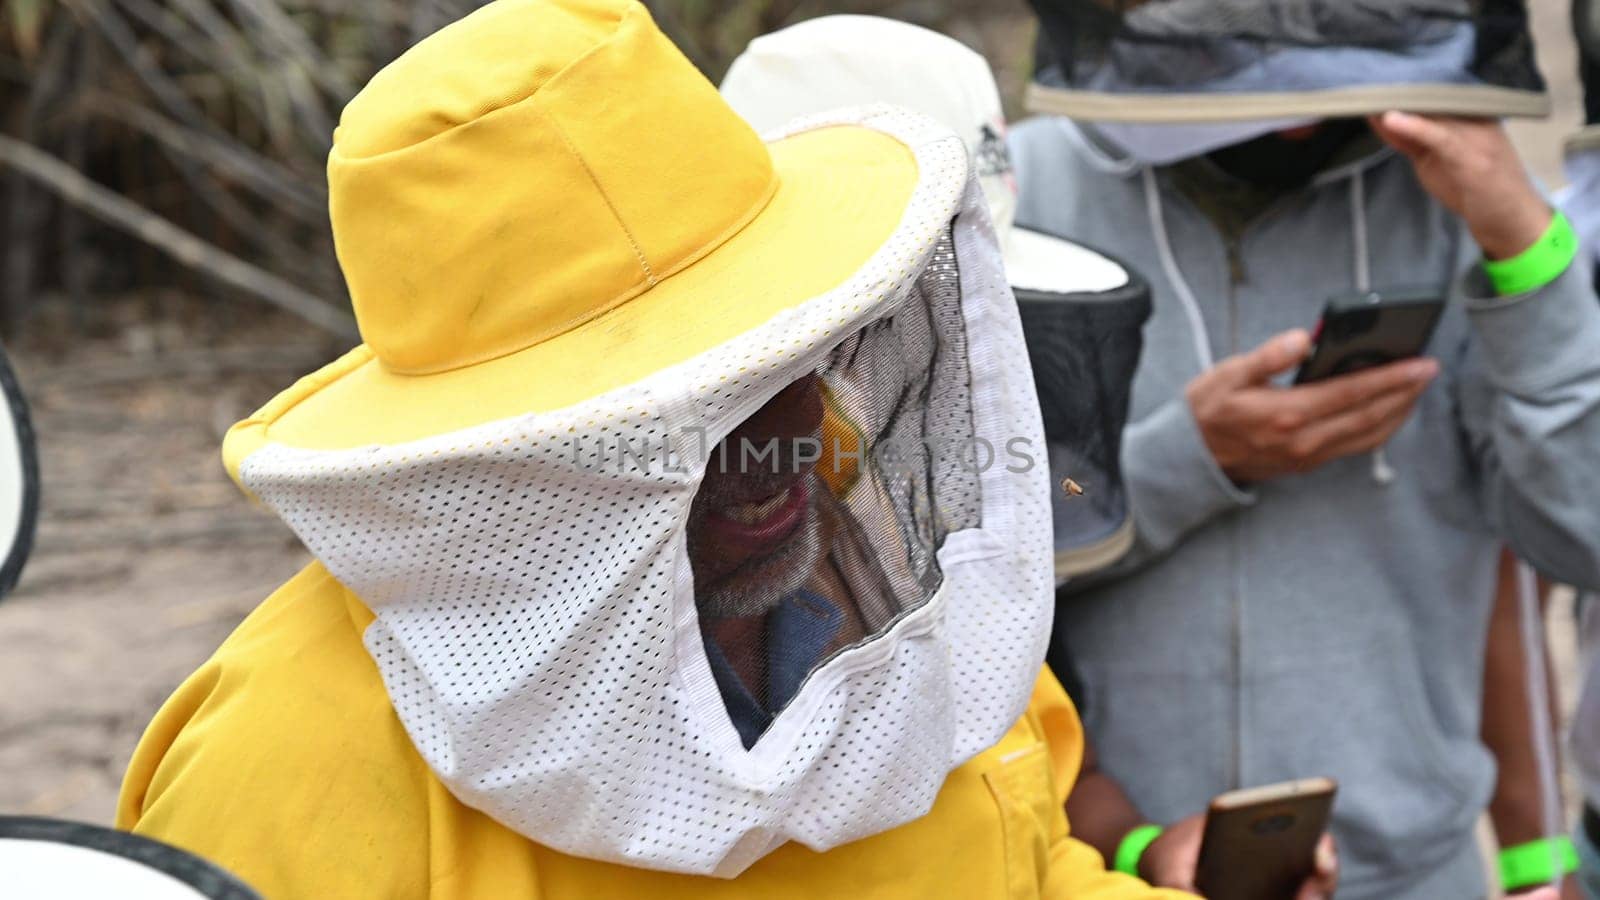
(1261, 843)
(1360, 331)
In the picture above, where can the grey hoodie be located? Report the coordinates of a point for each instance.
(1331, 623)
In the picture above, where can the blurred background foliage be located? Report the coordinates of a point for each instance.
(179, 144)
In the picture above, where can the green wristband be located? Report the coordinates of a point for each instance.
(1133, 845)
(1538, 265)
(1537, 862)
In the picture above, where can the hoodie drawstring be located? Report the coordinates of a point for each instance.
(1358, 228)
(1169, 265)
(1382, 472)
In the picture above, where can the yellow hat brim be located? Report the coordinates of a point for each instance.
(842, 192)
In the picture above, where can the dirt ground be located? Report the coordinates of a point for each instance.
(147, 555)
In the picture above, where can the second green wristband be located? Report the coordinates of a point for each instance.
(1132, 847)
(1538, 265)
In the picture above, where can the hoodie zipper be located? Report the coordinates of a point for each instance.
(1238, 273)
(1236, 276)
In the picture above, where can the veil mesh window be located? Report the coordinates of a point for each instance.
(1084, 349)
(820, 517)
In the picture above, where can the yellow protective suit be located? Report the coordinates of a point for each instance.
(282, 760)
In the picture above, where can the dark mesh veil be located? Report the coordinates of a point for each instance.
(1084, 339)
(820, 517)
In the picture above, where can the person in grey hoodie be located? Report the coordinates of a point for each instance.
(1309, 588)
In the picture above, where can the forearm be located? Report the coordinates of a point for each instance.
(1517, 807)
(1539, 431)
(1100, 812)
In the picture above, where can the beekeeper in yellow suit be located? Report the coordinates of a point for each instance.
(680, 526)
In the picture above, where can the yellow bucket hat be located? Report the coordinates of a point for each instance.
(546, 201)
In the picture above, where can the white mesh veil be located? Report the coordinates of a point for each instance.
(537, 625)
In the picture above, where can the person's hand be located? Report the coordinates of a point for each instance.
(1256, 430)
(1544, 893)
(1172, 860)
(1470, 166)
(1325, 877)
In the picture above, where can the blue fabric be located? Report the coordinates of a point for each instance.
(798, 631)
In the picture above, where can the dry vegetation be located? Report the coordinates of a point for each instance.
(181, 142)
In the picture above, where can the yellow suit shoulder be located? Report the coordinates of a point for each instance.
(282, 759)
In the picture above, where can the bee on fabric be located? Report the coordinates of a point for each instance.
(1071, 488)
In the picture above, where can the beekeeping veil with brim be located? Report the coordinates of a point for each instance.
(693, 479)
(1082, 311)
(1124, 64)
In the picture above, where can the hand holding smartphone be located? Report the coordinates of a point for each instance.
(1261, 843)
(1360, 331)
